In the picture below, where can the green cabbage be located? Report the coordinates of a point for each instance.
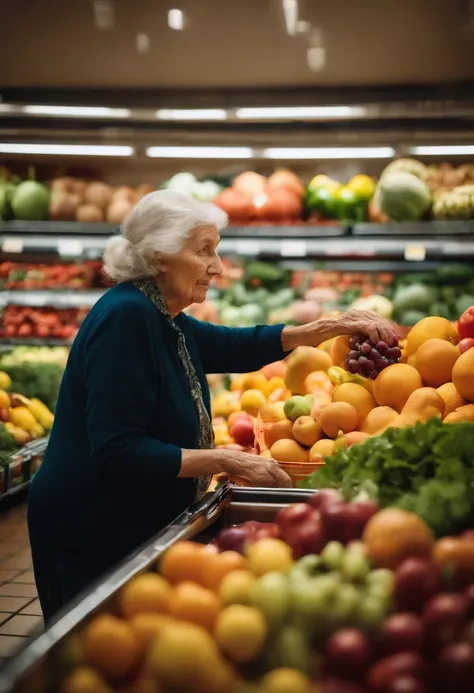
(404, 197)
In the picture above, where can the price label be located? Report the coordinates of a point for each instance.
(247, 247)
(293, 249)
(337, 249)
(12, 245)
(69, 248)
(415, 253)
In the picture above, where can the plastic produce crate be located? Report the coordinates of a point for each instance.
(42, 664)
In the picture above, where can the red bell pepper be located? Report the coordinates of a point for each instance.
(466, 323)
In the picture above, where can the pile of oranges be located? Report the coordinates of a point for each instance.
(186, 629)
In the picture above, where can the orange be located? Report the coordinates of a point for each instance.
(465, 413)
(323, 448)
(378, 419)
(275, 383)
(320, 400)
(219, 565)
(463, 375)
(274, 370)
(5, 401)
(251, 401)
(358, 396)
(349, 439)
(318, 380)
(148, 592)
(285, 450)
(394, 385)
(255, 381)
(430, 328)
(191, 602)
(435, 360)
(241, 632)
(183, 561)
(338, 416)
(84, 680)
(272, 411)
(392, 535)
(340, 350)
(306, 431)
(300, 363)
(111, 646)
(451, 398)
(148, 626)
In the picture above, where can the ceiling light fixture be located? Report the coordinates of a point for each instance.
(200, 152)
(176, 20)
(446, 150)
(296, 112)
(104, 14)
(6, 108)
(192, 114)
(77, 111)
(290, 12)
(329, 153)
(66, 149)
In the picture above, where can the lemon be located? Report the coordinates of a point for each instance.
(285, 681)
(241, 632)
(5, 381)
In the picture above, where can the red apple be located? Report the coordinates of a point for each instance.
(294, 514)
(455, 668)
(342, 522)
(416, 581)
(307, 538)
(336, 685)
(347, 654)
(4, 415)
(242, 431)
(232, 538)
(400, 633)
(465, 344)
(325, 497)
(382, 674)
(444, 620)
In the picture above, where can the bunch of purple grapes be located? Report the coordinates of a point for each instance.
(368, 358)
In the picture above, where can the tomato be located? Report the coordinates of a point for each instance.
(465, 344)
(466, 323)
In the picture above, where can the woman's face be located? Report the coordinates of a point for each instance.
(185, 277)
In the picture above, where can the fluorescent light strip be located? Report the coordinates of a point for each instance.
(192, 114)
(329, 153)
(66, 149)
(200, 152)
(176, 19)
(297, 112)
(79, 111)
(447, 150)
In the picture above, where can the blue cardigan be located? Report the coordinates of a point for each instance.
(109, 480)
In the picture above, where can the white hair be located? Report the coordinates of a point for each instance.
(159, 223)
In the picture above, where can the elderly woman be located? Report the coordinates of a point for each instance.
(132, 442)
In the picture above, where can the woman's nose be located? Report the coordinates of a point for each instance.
(216, 268)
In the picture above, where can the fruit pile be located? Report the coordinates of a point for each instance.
(306, 408)
(32, 276)
(24, 322)
(331, 597)
(24, 419)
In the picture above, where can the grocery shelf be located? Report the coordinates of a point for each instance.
(54, 298)
(6, 342)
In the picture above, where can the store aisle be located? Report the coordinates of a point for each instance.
(20, 612)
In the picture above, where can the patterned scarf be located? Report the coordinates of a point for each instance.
(150, 289)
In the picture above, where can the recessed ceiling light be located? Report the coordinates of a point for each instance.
(329, 153)
(176, 19)
(200, 152)
(66, 149)
(77, 111)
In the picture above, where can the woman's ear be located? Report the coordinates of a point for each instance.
(160, 264)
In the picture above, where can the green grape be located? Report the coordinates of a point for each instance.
(371, 612)
(345, 605)
(333, 555)
(271, 595)
(381, 576)
(309, 564)
(290, 647)
(355, 566)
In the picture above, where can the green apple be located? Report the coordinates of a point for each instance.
(297, 406)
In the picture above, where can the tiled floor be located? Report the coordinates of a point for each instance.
(20, 612)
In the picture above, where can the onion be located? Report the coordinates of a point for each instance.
(98, 194)
(63, 206)
(89, 214)
(65, 184)
(281, 205)
(125, 192)
(286, 179)
(238, 206)
(250, 183)
(118, 210)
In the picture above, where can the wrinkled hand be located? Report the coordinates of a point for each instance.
(368, 323)
(252, 470)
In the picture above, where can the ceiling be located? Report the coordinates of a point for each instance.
(235, 43)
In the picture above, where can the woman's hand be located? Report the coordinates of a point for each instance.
(252, 470)
(368, 323)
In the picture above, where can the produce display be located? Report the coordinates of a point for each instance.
(317, 402)
(407, 190)
(45, 323)
(35, 372)
(330, 597)
(33, 276)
